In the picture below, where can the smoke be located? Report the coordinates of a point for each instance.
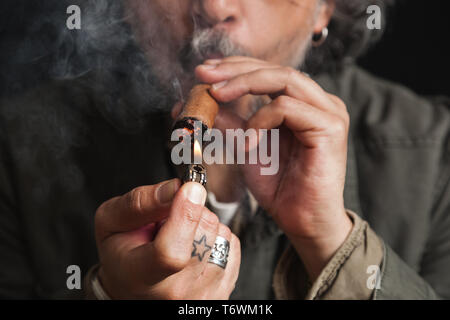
(128, 83)
(134, 80)
(105, 55)
(206, 43)
(55, 79)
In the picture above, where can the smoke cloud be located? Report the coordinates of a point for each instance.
(103, 60)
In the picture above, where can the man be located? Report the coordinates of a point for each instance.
(352, 149)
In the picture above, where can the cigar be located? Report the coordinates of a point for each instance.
(202, 107)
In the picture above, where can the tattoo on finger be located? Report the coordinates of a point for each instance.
(200, 248)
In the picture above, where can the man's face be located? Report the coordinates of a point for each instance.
(177, 35)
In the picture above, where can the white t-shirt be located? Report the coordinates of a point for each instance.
(224, 210)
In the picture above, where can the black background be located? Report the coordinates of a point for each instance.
(415, 49)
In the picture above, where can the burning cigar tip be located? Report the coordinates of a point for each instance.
(203, 107)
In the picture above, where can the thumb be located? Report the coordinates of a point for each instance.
(135, 209)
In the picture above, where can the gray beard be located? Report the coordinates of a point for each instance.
(203, 44)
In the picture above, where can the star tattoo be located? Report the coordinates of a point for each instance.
(200, 248)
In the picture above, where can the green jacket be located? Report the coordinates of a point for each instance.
(60, 159)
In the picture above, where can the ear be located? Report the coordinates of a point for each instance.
(326, 9)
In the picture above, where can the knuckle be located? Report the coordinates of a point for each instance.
(339, 127)
(209, 220)
(246, 77)
(170, 262)
(290, 72)
(342, 106)
(337, 100)
(100, 218)
(174, 294)
(191, 213)
(258, 72)
(236, 242)
(281, 101)
(133, 200)
(224, 231)
(99, 213)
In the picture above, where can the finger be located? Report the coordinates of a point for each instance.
(212, 271)
(214, 73)
(203, 243)
(135, 209)
(212, 61)
(171, 250)
(234, 263)
(300, 118)
(228, 119)
(177, 234)
(338, 102)
(239, 59)
(272, 81)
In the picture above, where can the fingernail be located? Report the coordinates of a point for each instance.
(219, 85)
(213, 61)
(166, 191)
(195, 193)
(208, 66)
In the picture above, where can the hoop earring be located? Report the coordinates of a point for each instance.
(319, 38)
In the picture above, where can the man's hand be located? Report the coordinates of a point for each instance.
(305, 197)
(142, 258)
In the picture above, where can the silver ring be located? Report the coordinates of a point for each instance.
(219, 255)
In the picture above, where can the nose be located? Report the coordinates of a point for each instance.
(212, 13)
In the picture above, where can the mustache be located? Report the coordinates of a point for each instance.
(208, 43)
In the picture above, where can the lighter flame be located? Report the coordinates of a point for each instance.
(197, 152)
